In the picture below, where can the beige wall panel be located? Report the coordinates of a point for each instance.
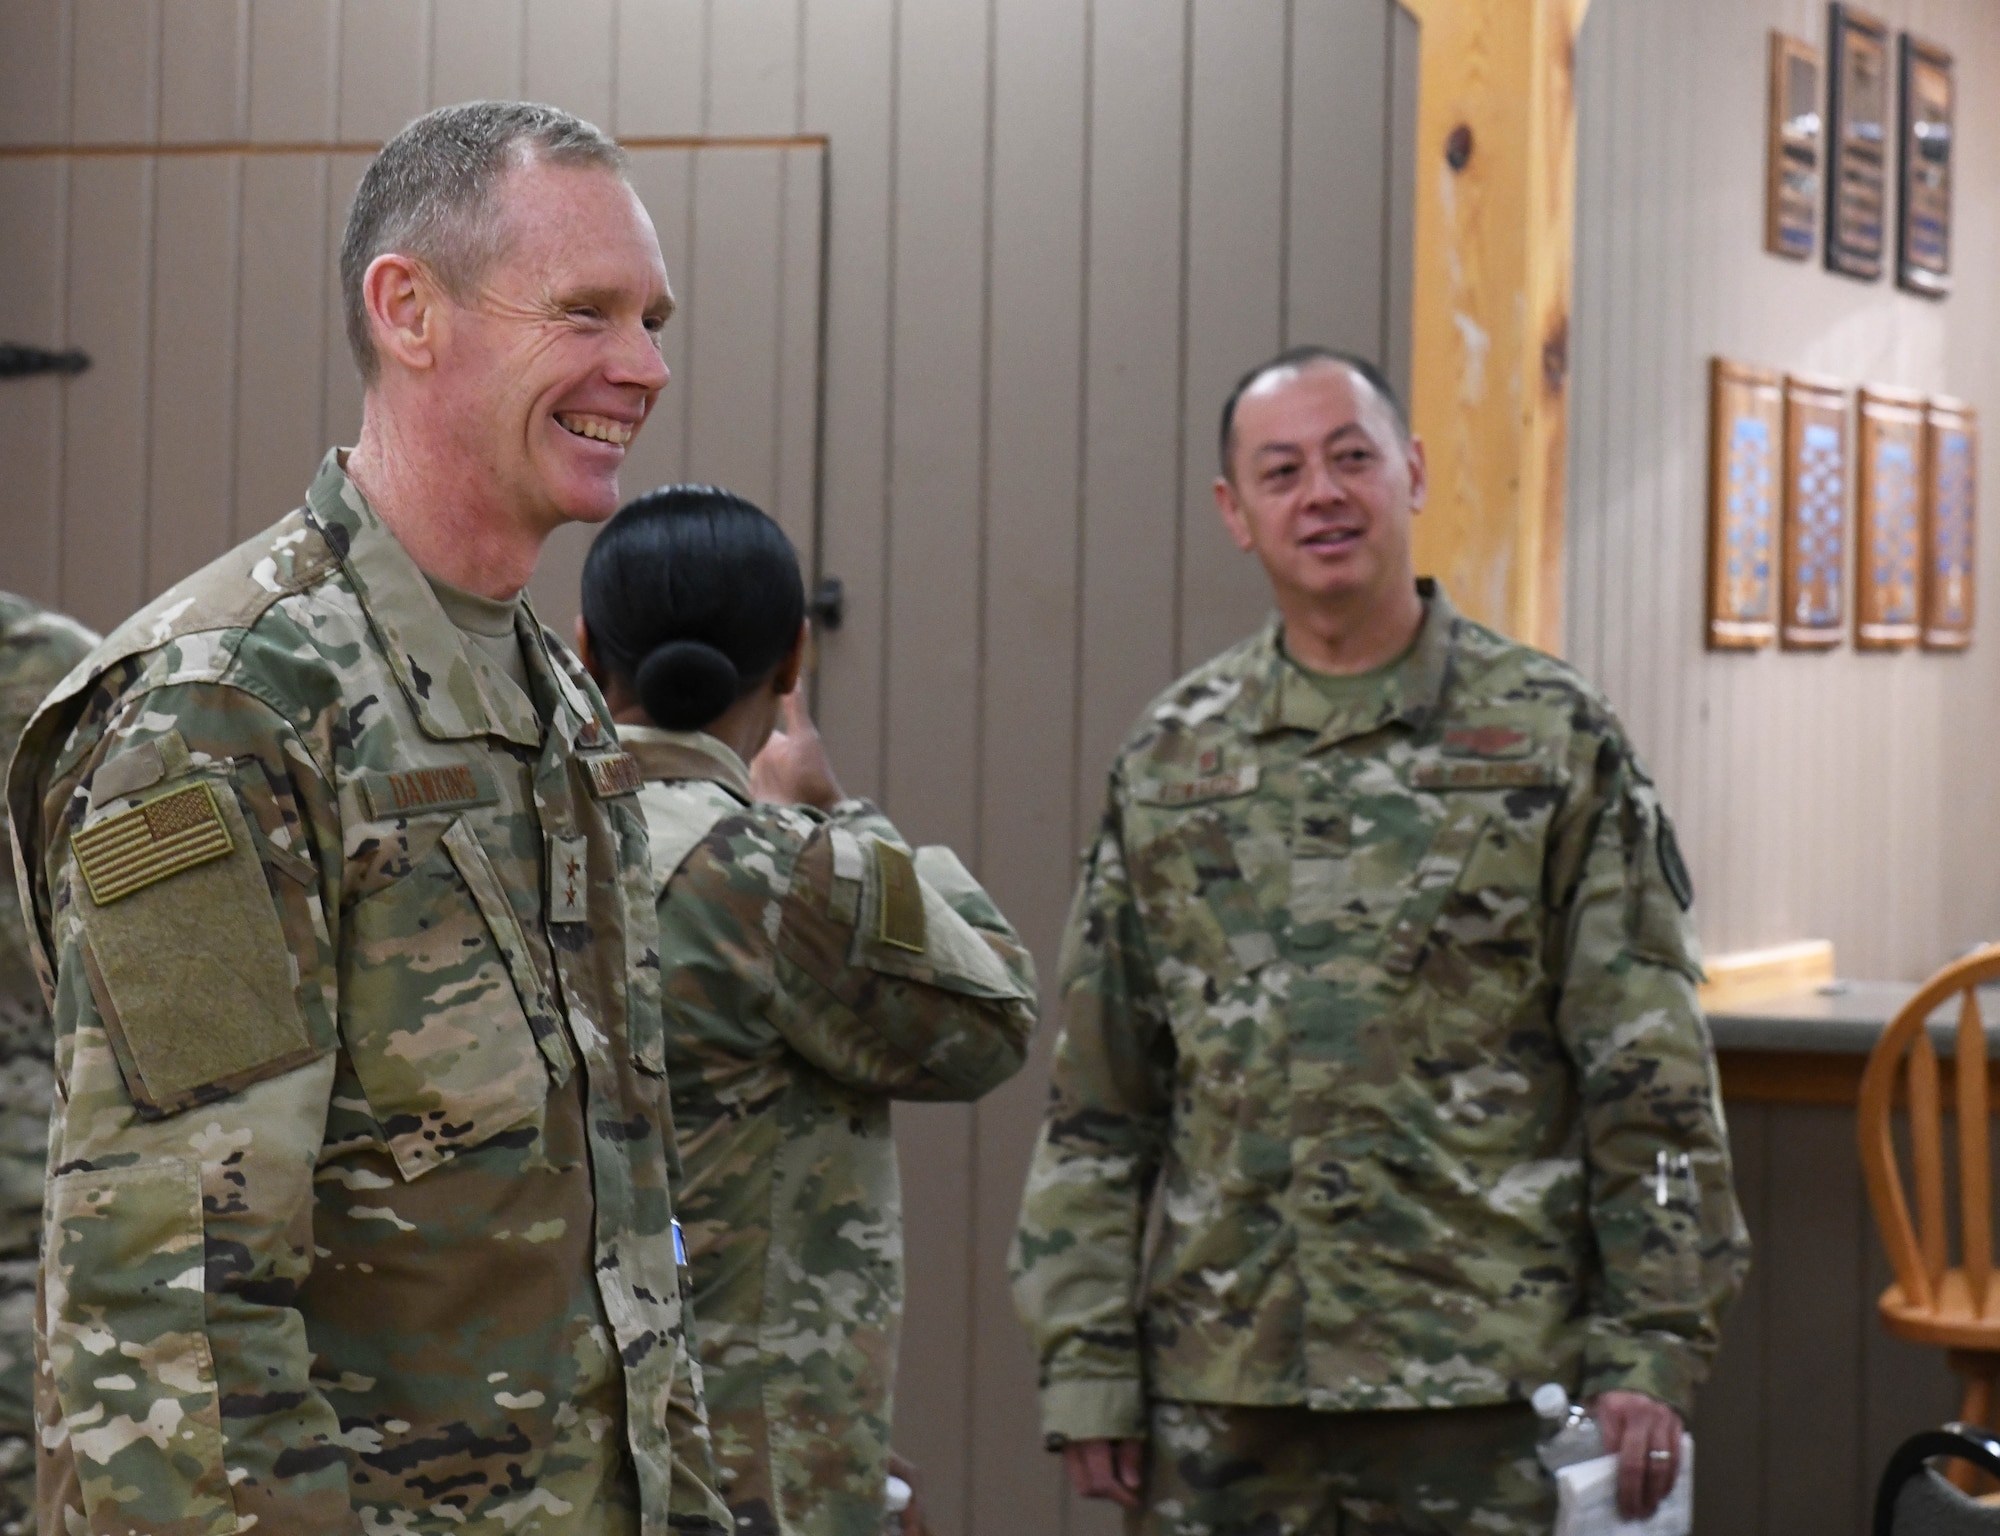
(1335, 224)
(294, 71)
(660, 67)
(104, 419)
(115, 59)
(1235, 245)
(205, 71)
(802, 231)
(1400, 199)
(732, 321)
(1027, 807)
(753, 67)
(477, 49)
(287, 267)
(1132, 469)
(192, 374)
(32, 193)
(570, 60)
(384, 66)
(340, 398)
(34, 72)
(849, 91)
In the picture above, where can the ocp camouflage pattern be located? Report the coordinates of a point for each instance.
(790, 1029)
(36, 648)
(1384, 1002)
(359, 1200)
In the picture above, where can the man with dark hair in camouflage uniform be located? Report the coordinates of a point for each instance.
(36, 648)
(1378, 997)
(359, 1212)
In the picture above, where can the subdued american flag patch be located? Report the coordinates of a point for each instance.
(128, 852)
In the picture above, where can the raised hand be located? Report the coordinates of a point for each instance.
(793, 768)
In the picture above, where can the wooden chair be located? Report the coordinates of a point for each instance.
(1954, 1307)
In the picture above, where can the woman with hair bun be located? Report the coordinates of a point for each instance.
(814, 968)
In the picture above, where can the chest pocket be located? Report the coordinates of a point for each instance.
(1182, 845)
(446, 1018)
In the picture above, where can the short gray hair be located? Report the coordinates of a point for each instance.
(429, 194)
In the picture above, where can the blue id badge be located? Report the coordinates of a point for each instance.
(680, 1248)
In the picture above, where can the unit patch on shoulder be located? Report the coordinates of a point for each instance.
(130, 851)
(901, 920)
(614, 773)
(450, 787)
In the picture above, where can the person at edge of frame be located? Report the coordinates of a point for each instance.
(1378, 994)
(36, 648)
(815, 970)
(359, 1208)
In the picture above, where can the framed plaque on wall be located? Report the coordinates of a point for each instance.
(1857, 144)
(1745, 432)
(1888, 519)
(1951, 513)
(1792, 150)
(1813, 550)
(1923, 217)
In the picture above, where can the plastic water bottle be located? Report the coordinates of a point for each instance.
(1569, 1434)
(896, 1498)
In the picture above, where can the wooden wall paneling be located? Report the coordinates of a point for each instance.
(732, 321)
(205, 71)
(753, 67)
(801, 239)
(109, 297)
(385, 71)
(1236, 206)
(1589, 350)
(1027, 807)
(478, 50)
(1730, 1407)
(1399, 235)
(191, 376)
(294, 71)
(570, 60)
(1132, 449)
(340, 400)
(1337, 92)
(932, 687)
(661, 73)
(286, 266)
(851, 96)
(34, 193)
(1812, 1424)
(34, 71)
(115, 63)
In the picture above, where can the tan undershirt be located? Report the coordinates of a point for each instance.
(487, 623)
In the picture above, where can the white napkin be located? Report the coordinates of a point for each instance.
(1587, 1500)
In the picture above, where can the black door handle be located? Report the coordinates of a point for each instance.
(828, 604)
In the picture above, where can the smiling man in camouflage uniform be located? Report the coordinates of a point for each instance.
(358, 1214)
(1379, 995)
(36, 648)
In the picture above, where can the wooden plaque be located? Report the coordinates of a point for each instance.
(1745, 423)
(1951, 512)
(1888, 519)
(1857, 181)
(1813, 552)
(1792, 151)
(1923, 219)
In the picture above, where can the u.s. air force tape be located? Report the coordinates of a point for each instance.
(130, 851)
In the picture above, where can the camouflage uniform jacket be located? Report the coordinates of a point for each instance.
(1385, 1010)
(358, 1211)
(814, 971)
(36, 648)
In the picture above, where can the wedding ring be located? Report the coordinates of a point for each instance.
(1659, 1455)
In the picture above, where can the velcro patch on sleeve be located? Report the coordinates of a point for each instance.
(901, 910)
(449, 787)
(1483, 775)
(130, 851)
(614, 773)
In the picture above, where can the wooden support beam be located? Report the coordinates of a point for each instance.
(1496, 196)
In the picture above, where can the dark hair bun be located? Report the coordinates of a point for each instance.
(685, 684)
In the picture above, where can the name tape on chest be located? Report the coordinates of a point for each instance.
(132, 850)
(1520, 774)
(1213, 786)
(450, 787)
(613, 773)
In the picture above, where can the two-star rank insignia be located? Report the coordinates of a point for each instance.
(569, 879)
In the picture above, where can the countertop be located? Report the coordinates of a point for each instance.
(1841, 1018)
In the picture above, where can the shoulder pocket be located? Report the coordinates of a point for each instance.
(187, 957)
(444, 1014)
(906, 928)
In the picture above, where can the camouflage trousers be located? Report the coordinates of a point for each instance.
(1215, 1470)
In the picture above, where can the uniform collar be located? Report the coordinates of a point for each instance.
(1408, 690)
(668, 755)
(425, 649)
